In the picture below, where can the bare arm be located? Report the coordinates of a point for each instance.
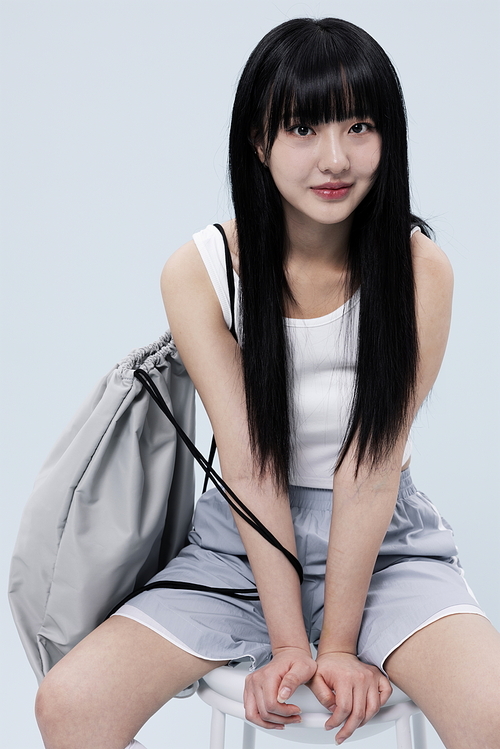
(212, 358)
(363, 507)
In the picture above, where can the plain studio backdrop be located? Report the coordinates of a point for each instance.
(114, 128)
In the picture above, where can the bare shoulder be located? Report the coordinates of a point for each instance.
(188, 294)
(184, 265)
(431, 265)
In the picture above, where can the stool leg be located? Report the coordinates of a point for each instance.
(249, 736)
(403, 733)
(419, 735)
(217, 729)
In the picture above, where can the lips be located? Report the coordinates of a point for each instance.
(332, 190)
(333, 186)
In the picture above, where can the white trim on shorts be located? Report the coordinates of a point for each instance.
(131, 612)
(465, 608)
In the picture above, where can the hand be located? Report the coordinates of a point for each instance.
(352, 690)
(268, 688)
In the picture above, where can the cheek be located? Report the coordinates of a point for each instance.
(288, 164)
(285, 173)
(368, 165)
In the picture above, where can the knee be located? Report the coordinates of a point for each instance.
(55, 703)
(69, 715)
(73, 713)
(45, 709)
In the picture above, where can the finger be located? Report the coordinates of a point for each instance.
(356, 716)
(323, 693)
(272, 712)
(385, 689)
(298, 674)
(373, 703)
(269, 705)
(252, 712)
(344, 703)
(264, 687)
(251, 709)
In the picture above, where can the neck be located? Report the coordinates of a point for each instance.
(310, 241)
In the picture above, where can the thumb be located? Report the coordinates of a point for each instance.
(291, 680)
(285, 690)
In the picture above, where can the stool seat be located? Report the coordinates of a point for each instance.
(223, 688)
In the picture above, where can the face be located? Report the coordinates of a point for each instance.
(323, 172)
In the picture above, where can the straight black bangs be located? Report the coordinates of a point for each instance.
(323, 76)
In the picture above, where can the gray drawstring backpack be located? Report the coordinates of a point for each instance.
(113, 503)
(110, 507)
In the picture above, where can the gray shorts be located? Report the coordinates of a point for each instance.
(417, 579)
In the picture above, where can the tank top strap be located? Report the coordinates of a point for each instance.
(231, 286)
(212, 246)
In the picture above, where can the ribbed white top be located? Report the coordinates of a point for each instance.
(324, 359)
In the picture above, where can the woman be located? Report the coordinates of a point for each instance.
(341, 329)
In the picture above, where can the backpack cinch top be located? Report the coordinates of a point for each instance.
(111, 506)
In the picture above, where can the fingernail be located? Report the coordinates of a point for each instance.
(339, 741)
(285, 693)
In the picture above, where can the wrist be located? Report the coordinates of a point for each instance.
(289, 637)
(330, 648)
(337, 642)
(304, 647)
(326, 653)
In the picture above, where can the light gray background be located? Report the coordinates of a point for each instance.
(114, 124)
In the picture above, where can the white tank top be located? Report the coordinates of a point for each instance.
(323, 351)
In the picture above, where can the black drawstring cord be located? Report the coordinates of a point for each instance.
(234, 502)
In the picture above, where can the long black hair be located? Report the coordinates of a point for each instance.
(317, 71)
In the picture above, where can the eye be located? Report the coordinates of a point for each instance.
(359, 128)
(301, 130)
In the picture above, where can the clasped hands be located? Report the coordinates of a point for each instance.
(353, 691)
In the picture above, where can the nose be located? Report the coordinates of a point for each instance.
(332, 155)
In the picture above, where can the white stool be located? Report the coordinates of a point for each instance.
(222, 689)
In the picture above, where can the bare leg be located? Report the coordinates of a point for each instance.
(451, 670)
(106, 688)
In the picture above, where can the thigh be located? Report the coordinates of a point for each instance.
(107, 687)
(451, 669)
